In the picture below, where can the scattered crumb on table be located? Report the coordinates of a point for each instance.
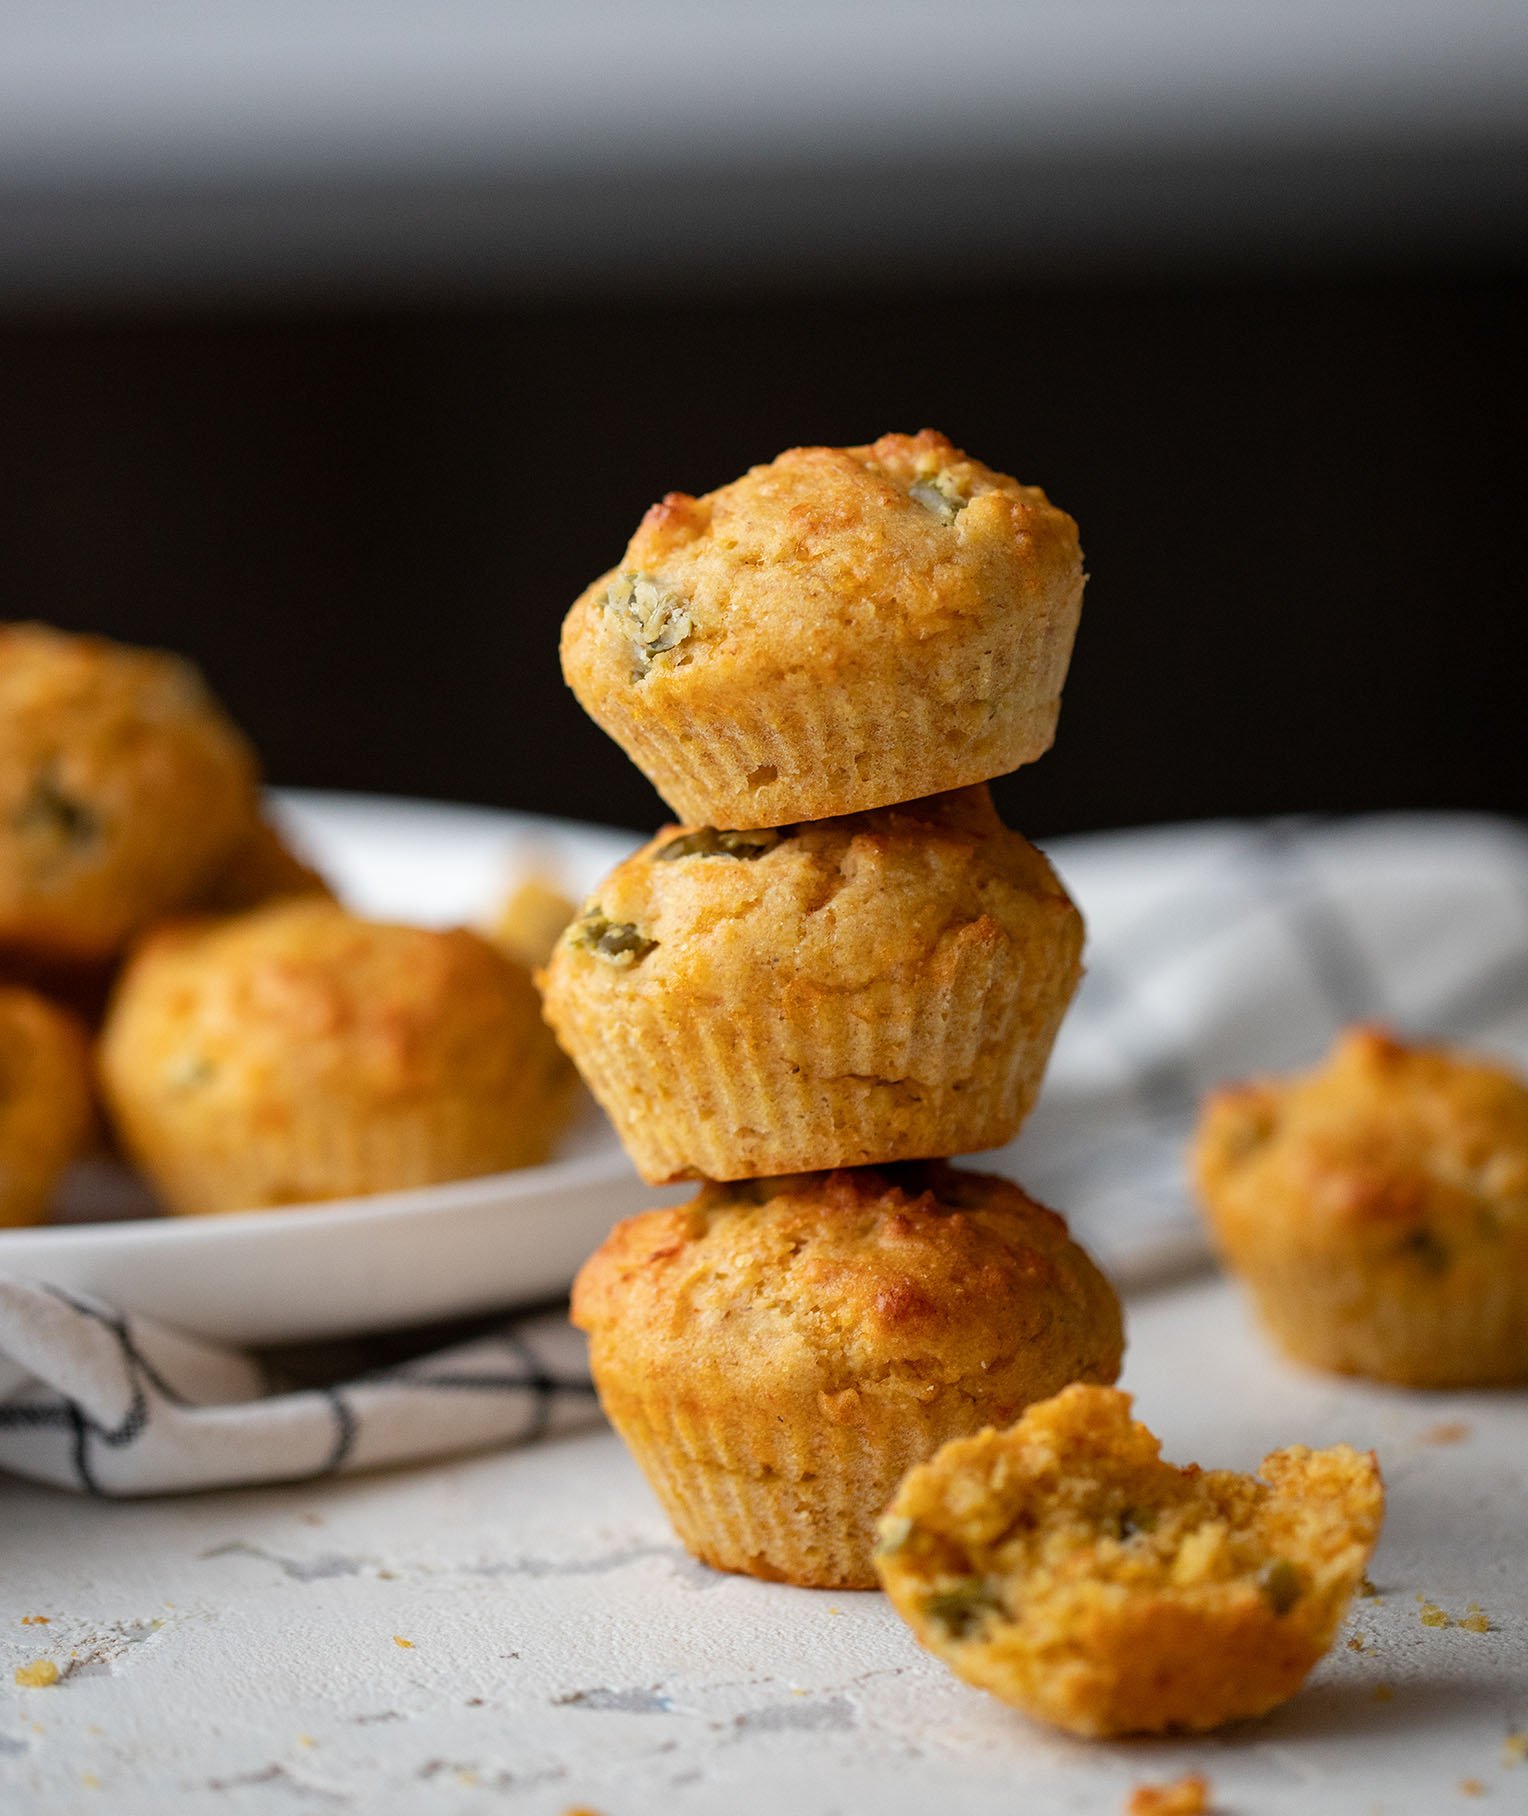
(39, 1675)
(1450, 1431)
(1514, 1747)
(399, 1640)
(1186, 1797)
(1471, 1787)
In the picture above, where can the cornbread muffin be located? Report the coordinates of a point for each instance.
(839, 630)
(778, 1354)
(123, 788)
(263, 867)
(1377, 1208)
(299, 1053)
(1066, 1568)
(45, 1101)
(841, 993)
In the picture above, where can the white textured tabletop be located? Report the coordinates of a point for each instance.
(520, 1631)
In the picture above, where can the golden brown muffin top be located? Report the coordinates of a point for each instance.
(304, 992)
(1385, 1141)
(1054, 1560)
(122, 785)
(821, 542)
(902, 1280)
(833, 904)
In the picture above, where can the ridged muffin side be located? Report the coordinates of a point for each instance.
(839, 630)
(778, 1354)
(1377, 1208)
(299, 1053)
(843, 993)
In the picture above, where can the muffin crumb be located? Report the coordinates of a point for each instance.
(1188, 1796)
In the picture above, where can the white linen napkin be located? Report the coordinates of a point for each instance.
(116, 1405)
(1214, 952)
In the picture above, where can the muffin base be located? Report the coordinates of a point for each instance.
(1471, 1331)
(812, 747)
(793, 1499)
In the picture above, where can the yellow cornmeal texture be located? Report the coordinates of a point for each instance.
(263, 867)
(1377, 1207)
(45, 1101)
(300, 1053)
(778, 1354)
(839, 630)
(1066, 1568)
(843, 993)
(123, 788)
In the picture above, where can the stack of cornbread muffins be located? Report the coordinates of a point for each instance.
(839, 969)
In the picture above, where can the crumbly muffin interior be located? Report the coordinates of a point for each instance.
(1064, 1565)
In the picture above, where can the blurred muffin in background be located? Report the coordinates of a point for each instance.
(123, 789)
(263, 867)
(300, 1053)
(45, 1101)
(850, 992)
(778, 1353)
(1377, 1208)
(531, 920)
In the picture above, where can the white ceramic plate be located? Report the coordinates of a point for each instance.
(395, 1258)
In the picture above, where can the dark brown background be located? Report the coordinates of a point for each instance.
(1301, 496)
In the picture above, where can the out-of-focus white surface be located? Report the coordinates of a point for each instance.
(281, 84)
(185, 142)
(236, 1652)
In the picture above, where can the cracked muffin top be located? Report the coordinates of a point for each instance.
(831, 905)
(123, 788)
(839, 629)
(905, 1282)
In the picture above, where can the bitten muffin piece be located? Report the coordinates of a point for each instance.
(300, 1053)
(45, 1101)
(1377, 1208)
(1066, 1568)
(839, 630)
(778, 1354)
(123, 789)
(843, 993)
